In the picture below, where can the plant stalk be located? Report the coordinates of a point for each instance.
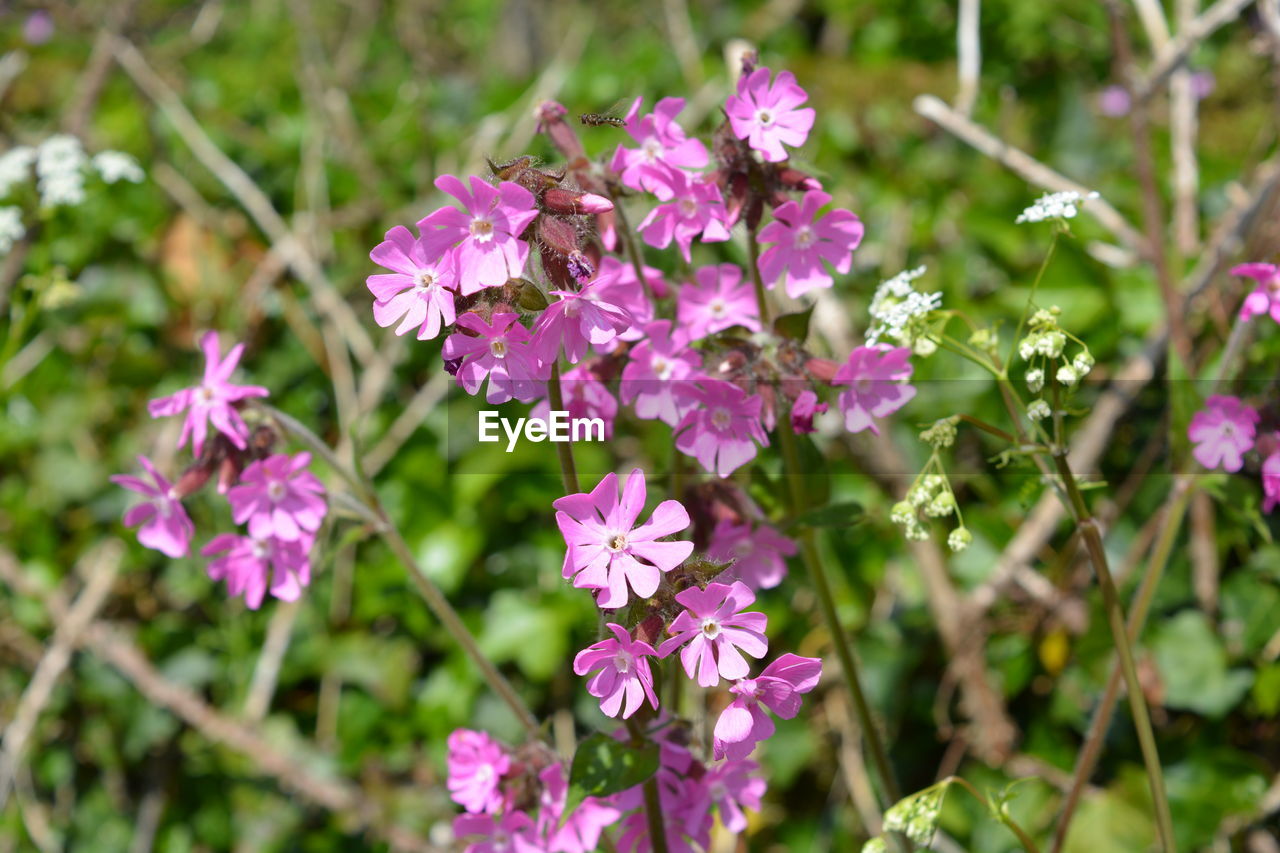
(1092, 535)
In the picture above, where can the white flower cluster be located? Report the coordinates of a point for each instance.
(931, 496)
(1063, 205)
(898, 309)
(61, 166)
(917, 816)
(11, 228)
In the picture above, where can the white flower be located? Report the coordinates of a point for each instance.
(1035, 380)
(1051, 343)
(1082, 363)
(1063, 205)
(117, 166)
(11, 228)
(1038, 410)
(896, 304)
(1067, 375)
(60, 162)
(959, 539)
(15, 167)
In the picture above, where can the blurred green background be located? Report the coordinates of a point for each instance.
(343, 113)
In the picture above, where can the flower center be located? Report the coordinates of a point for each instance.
(661, 367)
(862, 386)
(710, 628)
(260, 549)
(498, 348)
(721, 418)
(205, 395)
(688, 208)
(616, 542)
(425, 281)
(484, 773)
(482, 230)
(805, 237)
(717, 307)
(718, 791)
(764, 118)
(652, 149)
(276, 490)
(623, 660)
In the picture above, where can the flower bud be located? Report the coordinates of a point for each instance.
(573, 203)
(558, 234)
(959, 539)
(822, 369)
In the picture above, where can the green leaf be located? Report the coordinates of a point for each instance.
(604, 766)
(1193, 664)
(831, 515)
(794, 326)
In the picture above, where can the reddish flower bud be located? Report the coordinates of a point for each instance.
(650, 630)
(571, 203)
(822, 369)
(551, 122)
(796, 180)
(558, 234)
(193, 478)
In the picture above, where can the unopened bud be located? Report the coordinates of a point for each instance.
(572, 203)
(558, 234)
(823, 369)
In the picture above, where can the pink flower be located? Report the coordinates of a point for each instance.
(621, 673)
(617, 284)
(1266, 298)
(805, 241)
(659, 365)
(719, 300)
(476, 765)
(663, 146)
(694, 208)
(585, 396)
(743, 724)
(803, 409)
(580, 832)
(766, 115)
(758, 555)
(249, 563)
(166, 527)
(715, 628)
(1114, 101)
(212, 401)
(501, 352)
(279, 497)
(1223, 431)
(1271, 480)
(512, 833)
(730, 786)
(419, 289)
(606, 551)
(875, 377)
(721, 428)
(483, 237)
(574, 322)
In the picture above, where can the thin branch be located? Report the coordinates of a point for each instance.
(101, 567)
(267, 670)
(254, 201)
(1024, 165)
(969, 53)
(1177, 51)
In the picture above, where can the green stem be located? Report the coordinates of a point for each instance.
(364, 494)
(1031, 297)
(563, 449)
(633, 251)
(813, 565)
(652, 802)
(753, 252)
(1087, 760)
(817, 574)
(1000, 814)
(1120, 636)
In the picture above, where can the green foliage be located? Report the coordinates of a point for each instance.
(603, 765)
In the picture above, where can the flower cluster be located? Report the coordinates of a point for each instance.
(1060, 205)
(1044, 350)
(60, 169)
(518, 277)
(516, 799)
(900, 313)
(275, 495)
